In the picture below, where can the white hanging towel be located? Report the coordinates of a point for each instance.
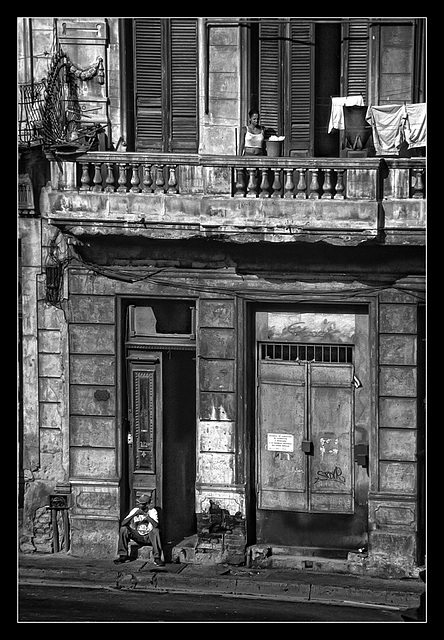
(337, 114)
(388, 123)
(416, 125)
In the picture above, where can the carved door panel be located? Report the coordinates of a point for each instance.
(305, 433)
(145, 417)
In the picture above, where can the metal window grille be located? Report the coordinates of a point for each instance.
(295, 352)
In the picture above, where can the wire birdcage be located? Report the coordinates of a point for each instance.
(31, 108)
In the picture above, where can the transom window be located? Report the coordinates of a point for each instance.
(290, 352)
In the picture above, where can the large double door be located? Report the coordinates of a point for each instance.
(305, 437)
(312, 423)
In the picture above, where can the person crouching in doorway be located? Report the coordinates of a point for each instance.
(141, 525)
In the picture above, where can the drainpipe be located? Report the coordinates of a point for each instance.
(126, 84)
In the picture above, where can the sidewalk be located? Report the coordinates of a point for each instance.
(290, 584)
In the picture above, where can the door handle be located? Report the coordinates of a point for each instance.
(361, 455)
(307, 447)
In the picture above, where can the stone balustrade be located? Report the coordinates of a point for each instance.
(242, 177)
(338, 200)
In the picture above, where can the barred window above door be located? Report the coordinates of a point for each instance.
(286, 352)
(165, 74)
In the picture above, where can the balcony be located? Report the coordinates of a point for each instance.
(344, 201)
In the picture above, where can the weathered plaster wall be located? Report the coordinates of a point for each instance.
(45, 384)
(219, 128)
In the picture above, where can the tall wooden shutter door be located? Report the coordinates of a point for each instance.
(183, 38)
(149, 85)
(356, 43)
(270, 77)
(300, 126)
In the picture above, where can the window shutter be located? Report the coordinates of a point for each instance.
(270, 76)
(183, 38)
(356, 55)
(299, 130)
(165, 59)
(396, 63)
(148, 80)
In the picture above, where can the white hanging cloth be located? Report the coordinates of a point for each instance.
(337, 113)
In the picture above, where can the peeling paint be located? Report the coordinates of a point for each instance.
(325, 442)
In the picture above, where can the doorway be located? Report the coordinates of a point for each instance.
(160, 412)
(312, 410)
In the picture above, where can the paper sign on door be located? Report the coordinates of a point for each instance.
(280, 442)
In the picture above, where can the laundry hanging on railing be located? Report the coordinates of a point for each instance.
(392, 124)
(387, 122)
(337, 113)
(416, 125)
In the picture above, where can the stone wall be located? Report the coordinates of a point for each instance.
(393, 504)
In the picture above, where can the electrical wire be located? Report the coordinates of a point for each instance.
(132, 276)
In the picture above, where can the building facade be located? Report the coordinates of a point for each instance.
(243, 338)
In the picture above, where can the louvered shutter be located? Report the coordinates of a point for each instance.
(270, 76)
(356, 48)
(183, 38)
(165, 58)
(299, 131)
(149, 84)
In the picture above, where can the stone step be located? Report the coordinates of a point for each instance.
(327, 552)
(314, 558)
(315, 563)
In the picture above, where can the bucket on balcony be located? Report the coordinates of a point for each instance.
(274, 146)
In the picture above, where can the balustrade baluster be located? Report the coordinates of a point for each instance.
(172, 182)
(289, 184)
(122, 178)
(147, 179)
(240, 184)
(252, 184)
(277, 186)
(314, 185)
(265, 185)
(339, 195)
(135, 179)
(302, 185)
(160, 180)
(97, 177)
(327, 187)
(85, 177)
(109, 178)
(418, 185)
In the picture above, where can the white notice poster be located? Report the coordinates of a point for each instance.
(280, 442)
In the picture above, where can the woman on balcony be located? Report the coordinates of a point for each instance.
(252, 137)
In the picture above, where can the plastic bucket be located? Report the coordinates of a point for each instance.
(274, 148)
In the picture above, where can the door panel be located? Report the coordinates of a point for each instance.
(331, 410)
(145, 413)
(305, 432)
(282, 417)
(282, 407)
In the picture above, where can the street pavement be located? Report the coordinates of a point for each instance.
(275, 583)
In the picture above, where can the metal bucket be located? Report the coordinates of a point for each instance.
(274, 148)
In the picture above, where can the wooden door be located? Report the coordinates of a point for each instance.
(305, 437)
(330, 427)
(145, 416)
